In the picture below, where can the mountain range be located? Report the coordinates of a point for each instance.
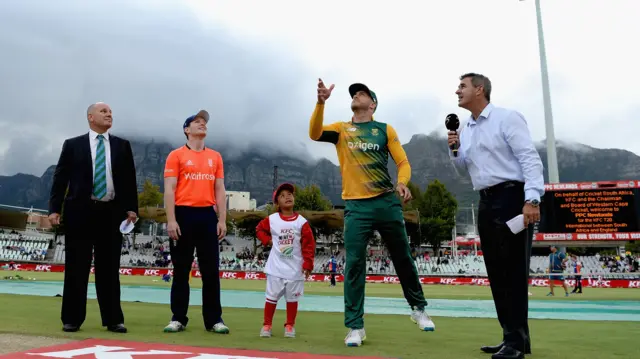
(253, 171)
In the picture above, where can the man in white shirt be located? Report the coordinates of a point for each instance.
(495, 147)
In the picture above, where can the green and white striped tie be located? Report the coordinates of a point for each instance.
(100, 177)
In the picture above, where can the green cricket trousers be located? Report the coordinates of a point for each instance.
(361, 217)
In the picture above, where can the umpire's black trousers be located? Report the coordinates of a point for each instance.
(92, 233)
(507, 258)
(199, 228)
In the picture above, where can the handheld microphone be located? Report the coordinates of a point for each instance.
(452, 123)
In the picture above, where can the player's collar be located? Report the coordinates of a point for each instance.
(187, 145)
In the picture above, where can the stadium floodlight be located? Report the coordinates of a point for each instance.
(552, 158)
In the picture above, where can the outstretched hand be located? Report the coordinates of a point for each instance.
(323, 91)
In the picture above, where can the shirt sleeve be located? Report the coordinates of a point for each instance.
(219, 167)
(308, 247)
(517, 135)
(399, 155)
(459, 161)
(319, 132)
(172, 165)
(263, 231)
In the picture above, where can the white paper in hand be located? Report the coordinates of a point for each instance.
(126, 228)
(516, 224)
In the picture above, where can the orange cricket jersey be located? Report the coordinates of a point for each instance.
(196, 173)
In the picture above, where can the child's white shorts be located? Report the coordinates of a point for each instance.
(277, 287)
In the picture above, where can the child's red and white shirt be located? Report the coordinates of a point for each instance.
(293, 245)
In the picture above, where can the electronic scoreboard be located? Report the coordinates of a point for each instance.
(590, 211)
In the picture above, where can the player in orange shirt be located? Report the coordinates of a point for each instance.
(194, 184)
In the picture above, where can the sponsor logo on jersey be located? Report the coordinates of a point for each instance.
(285, 241)
(199, 176)
(364, 146)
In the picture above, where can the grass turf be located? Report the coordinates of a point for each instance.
(323, 333)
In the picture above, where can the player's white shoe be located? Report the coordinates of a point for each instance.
(289, 331)
(220, 328)
(420, 317)
(355, 337)
(265, 332)
(174, 327)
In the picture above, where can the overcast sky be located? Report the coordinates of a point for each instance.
(254, 65)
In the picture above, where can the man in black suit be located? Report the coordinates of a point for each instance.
(99, 172)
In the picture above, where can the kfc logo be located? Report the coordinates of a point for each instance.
(390, 280)
(43, 268)
(152, 272)
(604, 284)
(480, 281)
(539, 283)
(229, 275)
(251, 275)
(634, 284)
(93, 270)
(448, 281)
(125, 271)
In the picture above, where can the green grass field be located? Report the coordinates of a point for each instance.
(393, 336)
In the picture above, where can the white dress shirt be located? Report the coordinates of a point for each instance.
(93, 142)
(497, 147)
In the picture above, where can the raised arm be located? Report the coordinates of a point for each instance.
(399, 156)
(517, 135)
(319, 132)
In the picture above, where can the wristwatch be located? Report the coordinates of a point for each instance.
(534, 202)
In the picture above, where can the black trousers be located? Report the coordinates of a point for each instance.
(199, 228)
(578, 286)
(94, 234)
(507, 257)
(333, 278)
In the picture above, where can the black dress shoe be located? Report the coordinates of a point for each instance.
(118, 328)
(70, 328)
(492, 349)
(508, 353)
(496, 348)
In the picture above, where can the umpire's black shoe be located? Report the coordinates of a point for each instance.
(492, 349)
(508, 353)
(496, 348)
(118, 328)
(70, 328)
